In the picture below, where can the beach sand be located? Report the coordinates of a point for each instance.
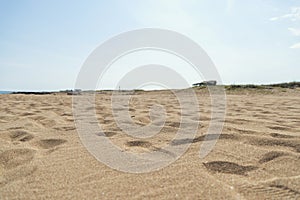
(256, 157)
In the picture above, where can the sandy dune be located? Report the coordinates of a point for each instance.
(256, 157)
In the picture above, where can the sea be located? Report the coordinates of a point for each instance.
(5, 92)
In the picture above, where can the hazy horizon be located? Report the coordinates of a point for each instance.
(126, 89)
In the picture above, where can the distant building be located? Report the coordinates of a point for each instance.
(205, 83)
(74, 92)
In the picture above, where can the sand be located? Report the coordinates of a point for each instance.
(256, 157)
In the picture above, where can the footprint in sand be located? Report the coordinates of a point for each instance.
(280, 128)
(270, 156)
(173, 124)
(13, 158)
(15, 128)
(277, 135)
(228, 167)
(207, 137)
(233, 168)
(20, 135)
(16, 174)
(50, 143)
(294, 144)
(65, 128)
(107, 133)
(138, 143)
(26, 114)
(270, 191)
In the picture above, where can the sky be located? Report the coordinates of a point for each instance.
(43, 44)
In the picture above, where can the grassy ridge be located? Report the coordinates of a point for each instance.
(290, 85)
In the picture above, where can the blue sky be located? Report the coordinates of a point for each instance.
(43, 44)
